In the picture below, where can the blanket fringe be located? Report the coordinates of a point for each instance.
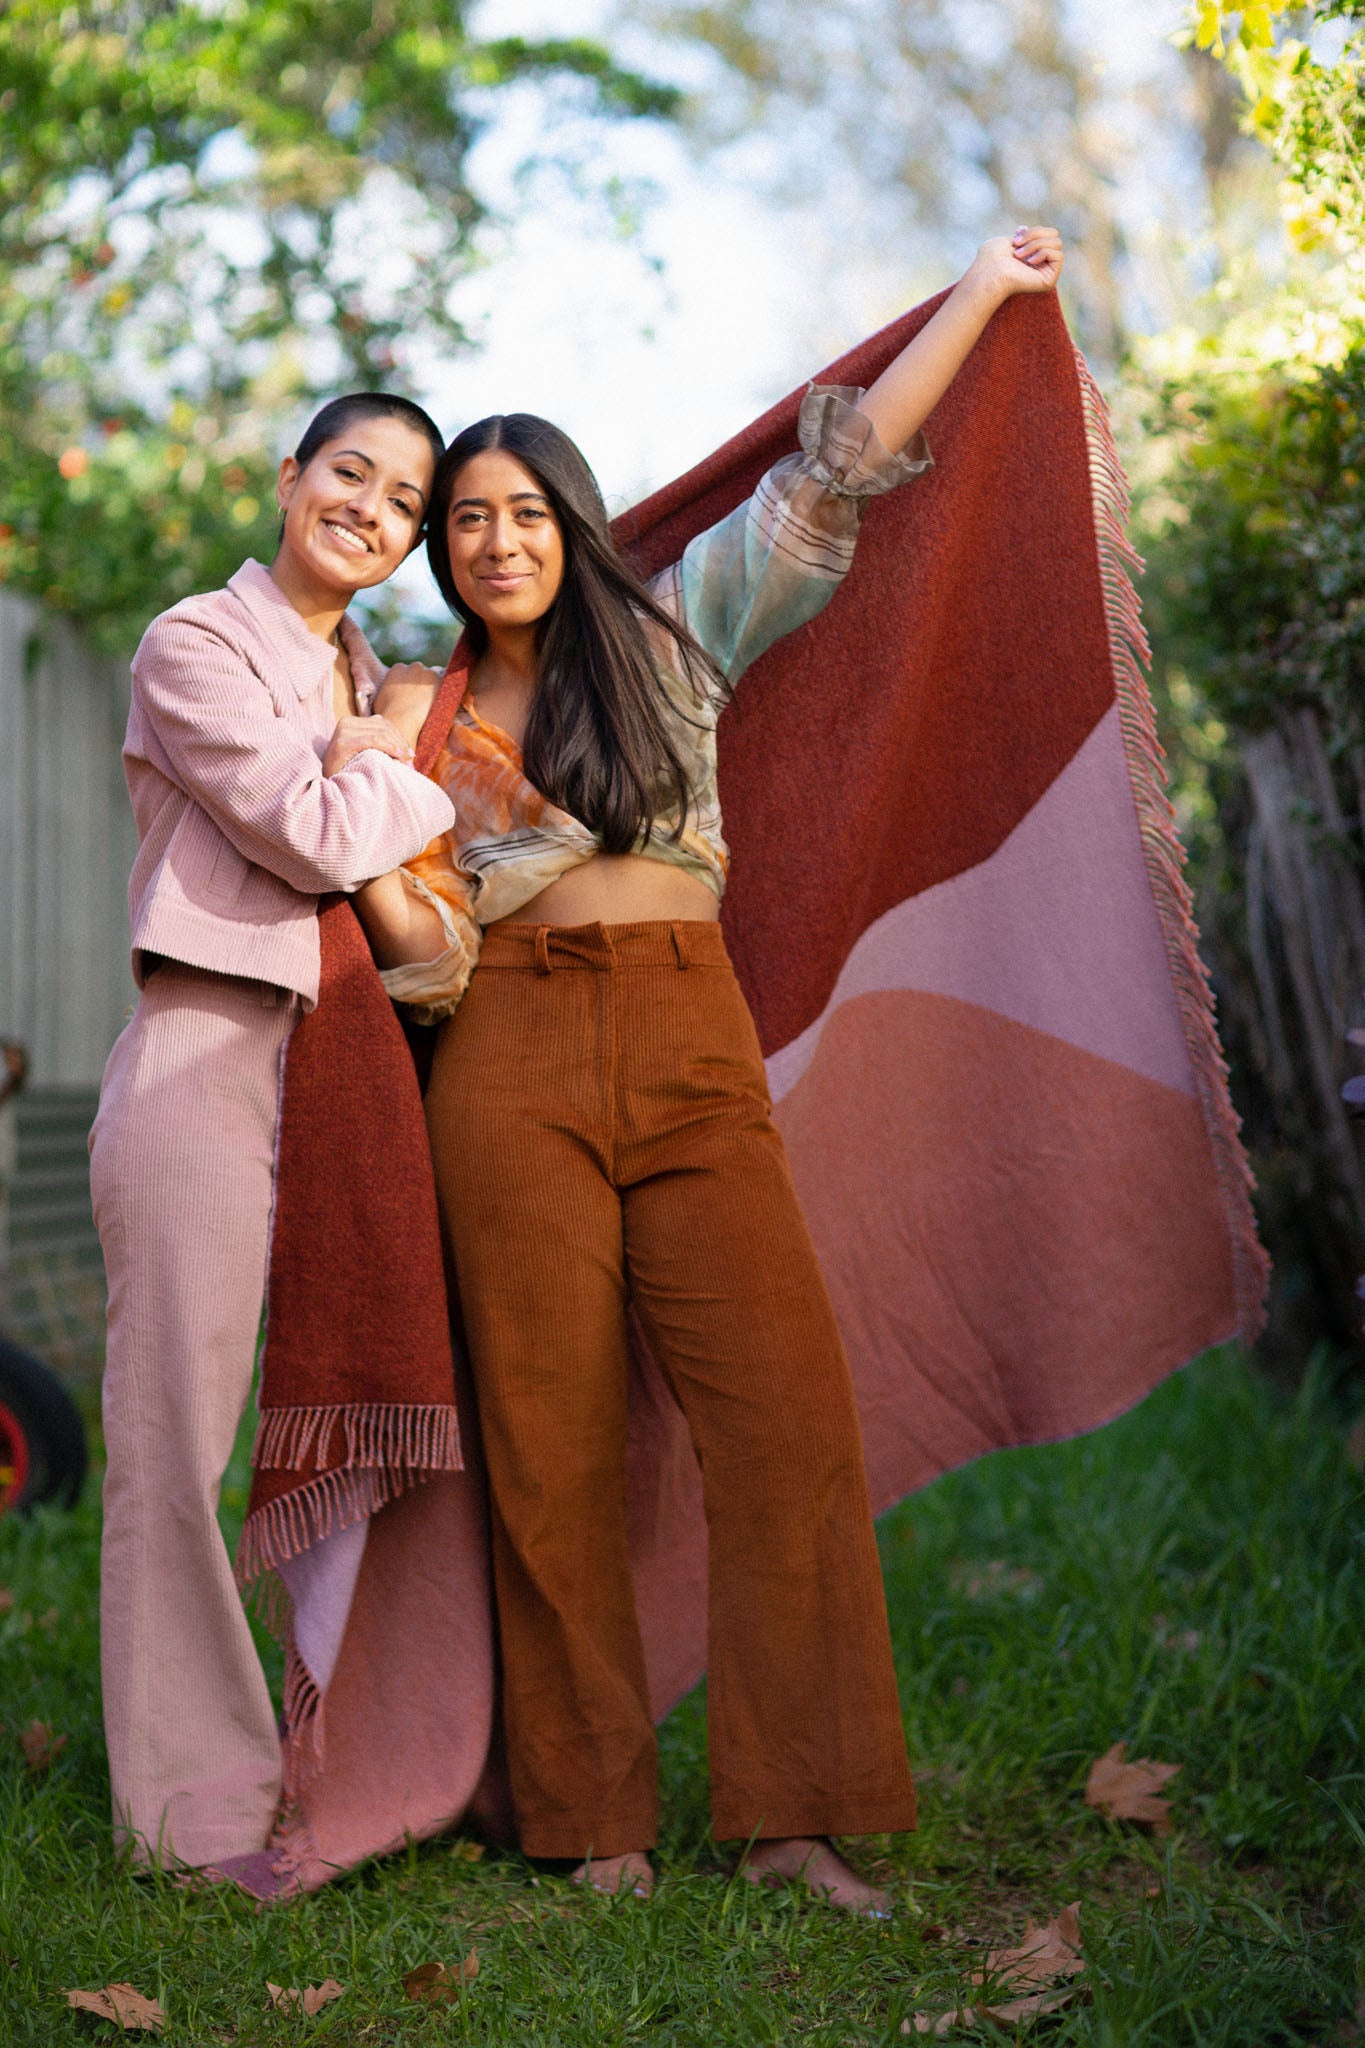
(285, 1527)
(388, 1448)
(420, 1436)
(1130, 653)
(304, 1743)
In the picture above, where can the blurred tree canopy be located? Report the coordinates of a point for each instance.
(928, 124)
(209, 213)
(1252, 519)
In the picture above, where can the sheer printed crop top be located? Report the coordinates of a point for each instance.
(765, 569)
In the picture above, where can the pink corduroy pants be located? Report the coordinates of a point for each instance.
(182, 1173)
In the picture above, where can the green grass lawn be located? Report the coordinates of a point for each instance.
(1190, 1580)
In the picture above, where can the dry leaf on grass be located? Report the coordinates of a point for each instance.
(127, 2008)
(984, 1581)
(6, 1599)
(468, 1852)
(434, 1984)
(1045, 1955)
(1130, 1791)
(311, 1998)
(1169, 1638)
(1007, 2015)
(40, 1746)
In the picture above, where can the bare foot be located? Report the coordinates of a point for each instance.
(632, 1874)
(801, 1859)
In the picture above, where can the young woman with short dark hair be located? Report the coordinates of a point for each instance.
(259, 784)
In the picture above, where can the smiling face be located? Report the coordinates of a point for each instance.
(356, 511)
(506, 543)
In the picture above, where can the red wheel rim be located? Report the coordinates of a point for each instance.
(13, 1457)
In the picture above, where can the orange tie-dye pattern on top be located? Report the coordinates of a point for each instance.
(768, 567)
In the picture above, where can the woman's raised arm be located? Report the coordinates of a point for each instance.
(907, 391)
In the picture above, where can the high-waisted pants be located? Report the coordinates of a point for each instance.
(602, 1137)
(182, 1171)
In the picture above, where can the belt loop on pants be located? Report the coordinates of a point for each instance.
(543, 949)
(680, 946)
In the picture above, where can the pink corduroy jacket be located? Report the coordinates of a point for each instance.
(239, 831)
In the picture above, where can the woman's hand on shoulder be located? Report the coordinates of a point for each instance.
(405, 697)
(1029, 260)
(357, 735)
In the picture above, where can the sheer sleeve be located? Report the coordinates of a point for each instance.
(432, 989)
(778, 558)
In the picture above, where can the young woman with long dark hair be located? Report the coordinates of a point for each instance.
(259, 783)
(602, 1135)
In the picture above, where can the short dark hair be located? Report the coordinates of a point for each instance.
(340, 413)
(597, 741)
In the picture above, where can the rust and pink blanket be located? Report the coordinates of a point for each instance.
(957, 909)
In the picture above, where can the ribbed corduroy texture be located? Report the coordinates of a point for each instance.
(597, 1110)
(182, 1166)
(239, 831)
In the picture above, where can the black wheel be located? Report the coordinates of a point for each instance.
(42, 1438)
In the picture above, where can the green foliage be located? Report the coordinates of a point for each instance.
(1256, 552)
(1310, 115)
(1188, 1580)
(1255, 535)
(209, 213)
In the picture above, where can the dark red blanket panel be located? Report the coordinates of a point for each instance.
(357, 1310)
(934, 670)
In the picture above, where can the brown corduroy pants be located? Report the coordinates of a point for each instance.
(602, 1138)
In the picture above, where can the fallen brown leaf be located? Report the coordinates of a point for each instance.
(982, 1581)
(1130, 1791)
(40, 1746)
(1043, 1956)
(1168, 1638)
(6, 1599)
(312, 1997)
(434, 1984)
(1007, 2015)
(127, 2008)
(468, 1852)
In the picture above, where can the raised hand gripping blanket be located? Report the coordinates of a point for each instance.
(957, 909)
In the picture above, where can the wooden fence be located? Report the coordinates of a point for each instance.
(66, 845)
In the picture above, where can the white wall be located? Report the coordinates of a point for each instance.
(66, 845)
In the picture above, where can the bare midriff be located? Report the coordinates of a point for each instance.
(620, 888)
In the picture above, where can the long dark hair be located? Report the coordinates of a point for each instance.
(597, 741)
